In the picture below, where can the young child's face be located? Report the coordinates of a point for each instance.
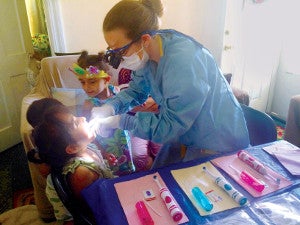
(93, 86)
(79, 128)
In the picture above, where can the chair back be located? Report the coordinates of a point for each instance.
(261, 127)
(292, 128)
(78, 211)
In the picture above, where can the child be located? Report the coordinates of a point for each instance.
(94, 80)
(95, 89)
(62, 140)
(37, 108)
(64, 143)
(34, 116)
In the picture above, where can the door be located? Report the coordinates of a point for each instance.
(288, 76)
(252, 47)
(15, 45)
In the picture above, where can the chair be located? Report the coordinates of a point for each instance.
(261, 127)
(67, 53)
(292, 128)
(54, 73)
(79, 211)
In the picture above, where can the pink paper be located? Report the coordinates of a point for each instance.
(130, 192)
(270, 186)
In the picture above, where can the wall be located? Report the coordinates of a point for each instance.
(81, 22)
(202, 19)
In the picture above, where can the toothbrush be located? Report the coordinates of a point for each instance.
(255, 164)
(224, 184)
(168, 199)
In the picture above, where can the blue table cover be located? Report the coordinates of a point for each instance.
(103, 199)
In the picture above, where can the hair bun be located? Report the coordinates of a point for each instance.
(154, 5)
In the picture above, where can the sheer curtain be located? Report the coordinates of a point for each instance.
(36, 17)
(38, 28)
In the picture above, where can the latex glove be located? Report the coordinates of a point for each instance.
(105, 126)
(102, 112)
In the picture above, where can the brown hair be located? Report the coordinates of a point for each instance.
(37, 109)
(134, 17)
(52, 136)
(85, 60)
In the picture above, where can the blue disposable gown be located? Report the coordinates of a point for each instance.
(197, 108)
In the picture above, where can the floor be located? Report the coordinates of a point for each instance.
(14, 173)
(280, 127)
(279, 122)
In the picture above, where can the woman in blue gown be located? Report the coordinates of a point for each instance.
(198, 113)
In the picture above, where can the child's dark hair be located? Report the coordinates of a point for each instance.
(34, 116)
(85, 60)
(37, 109)
(52, 136)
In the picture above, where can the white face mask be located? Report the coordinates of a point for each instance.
(134, 62)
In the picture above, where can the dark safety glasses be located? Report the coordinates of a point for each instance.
(115, 56)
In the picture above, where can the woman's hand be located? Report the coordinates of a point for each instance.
(105, 126)
(102, 112)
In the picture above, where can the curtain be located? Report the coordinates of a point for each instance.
(36, 17)
(38, 29)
